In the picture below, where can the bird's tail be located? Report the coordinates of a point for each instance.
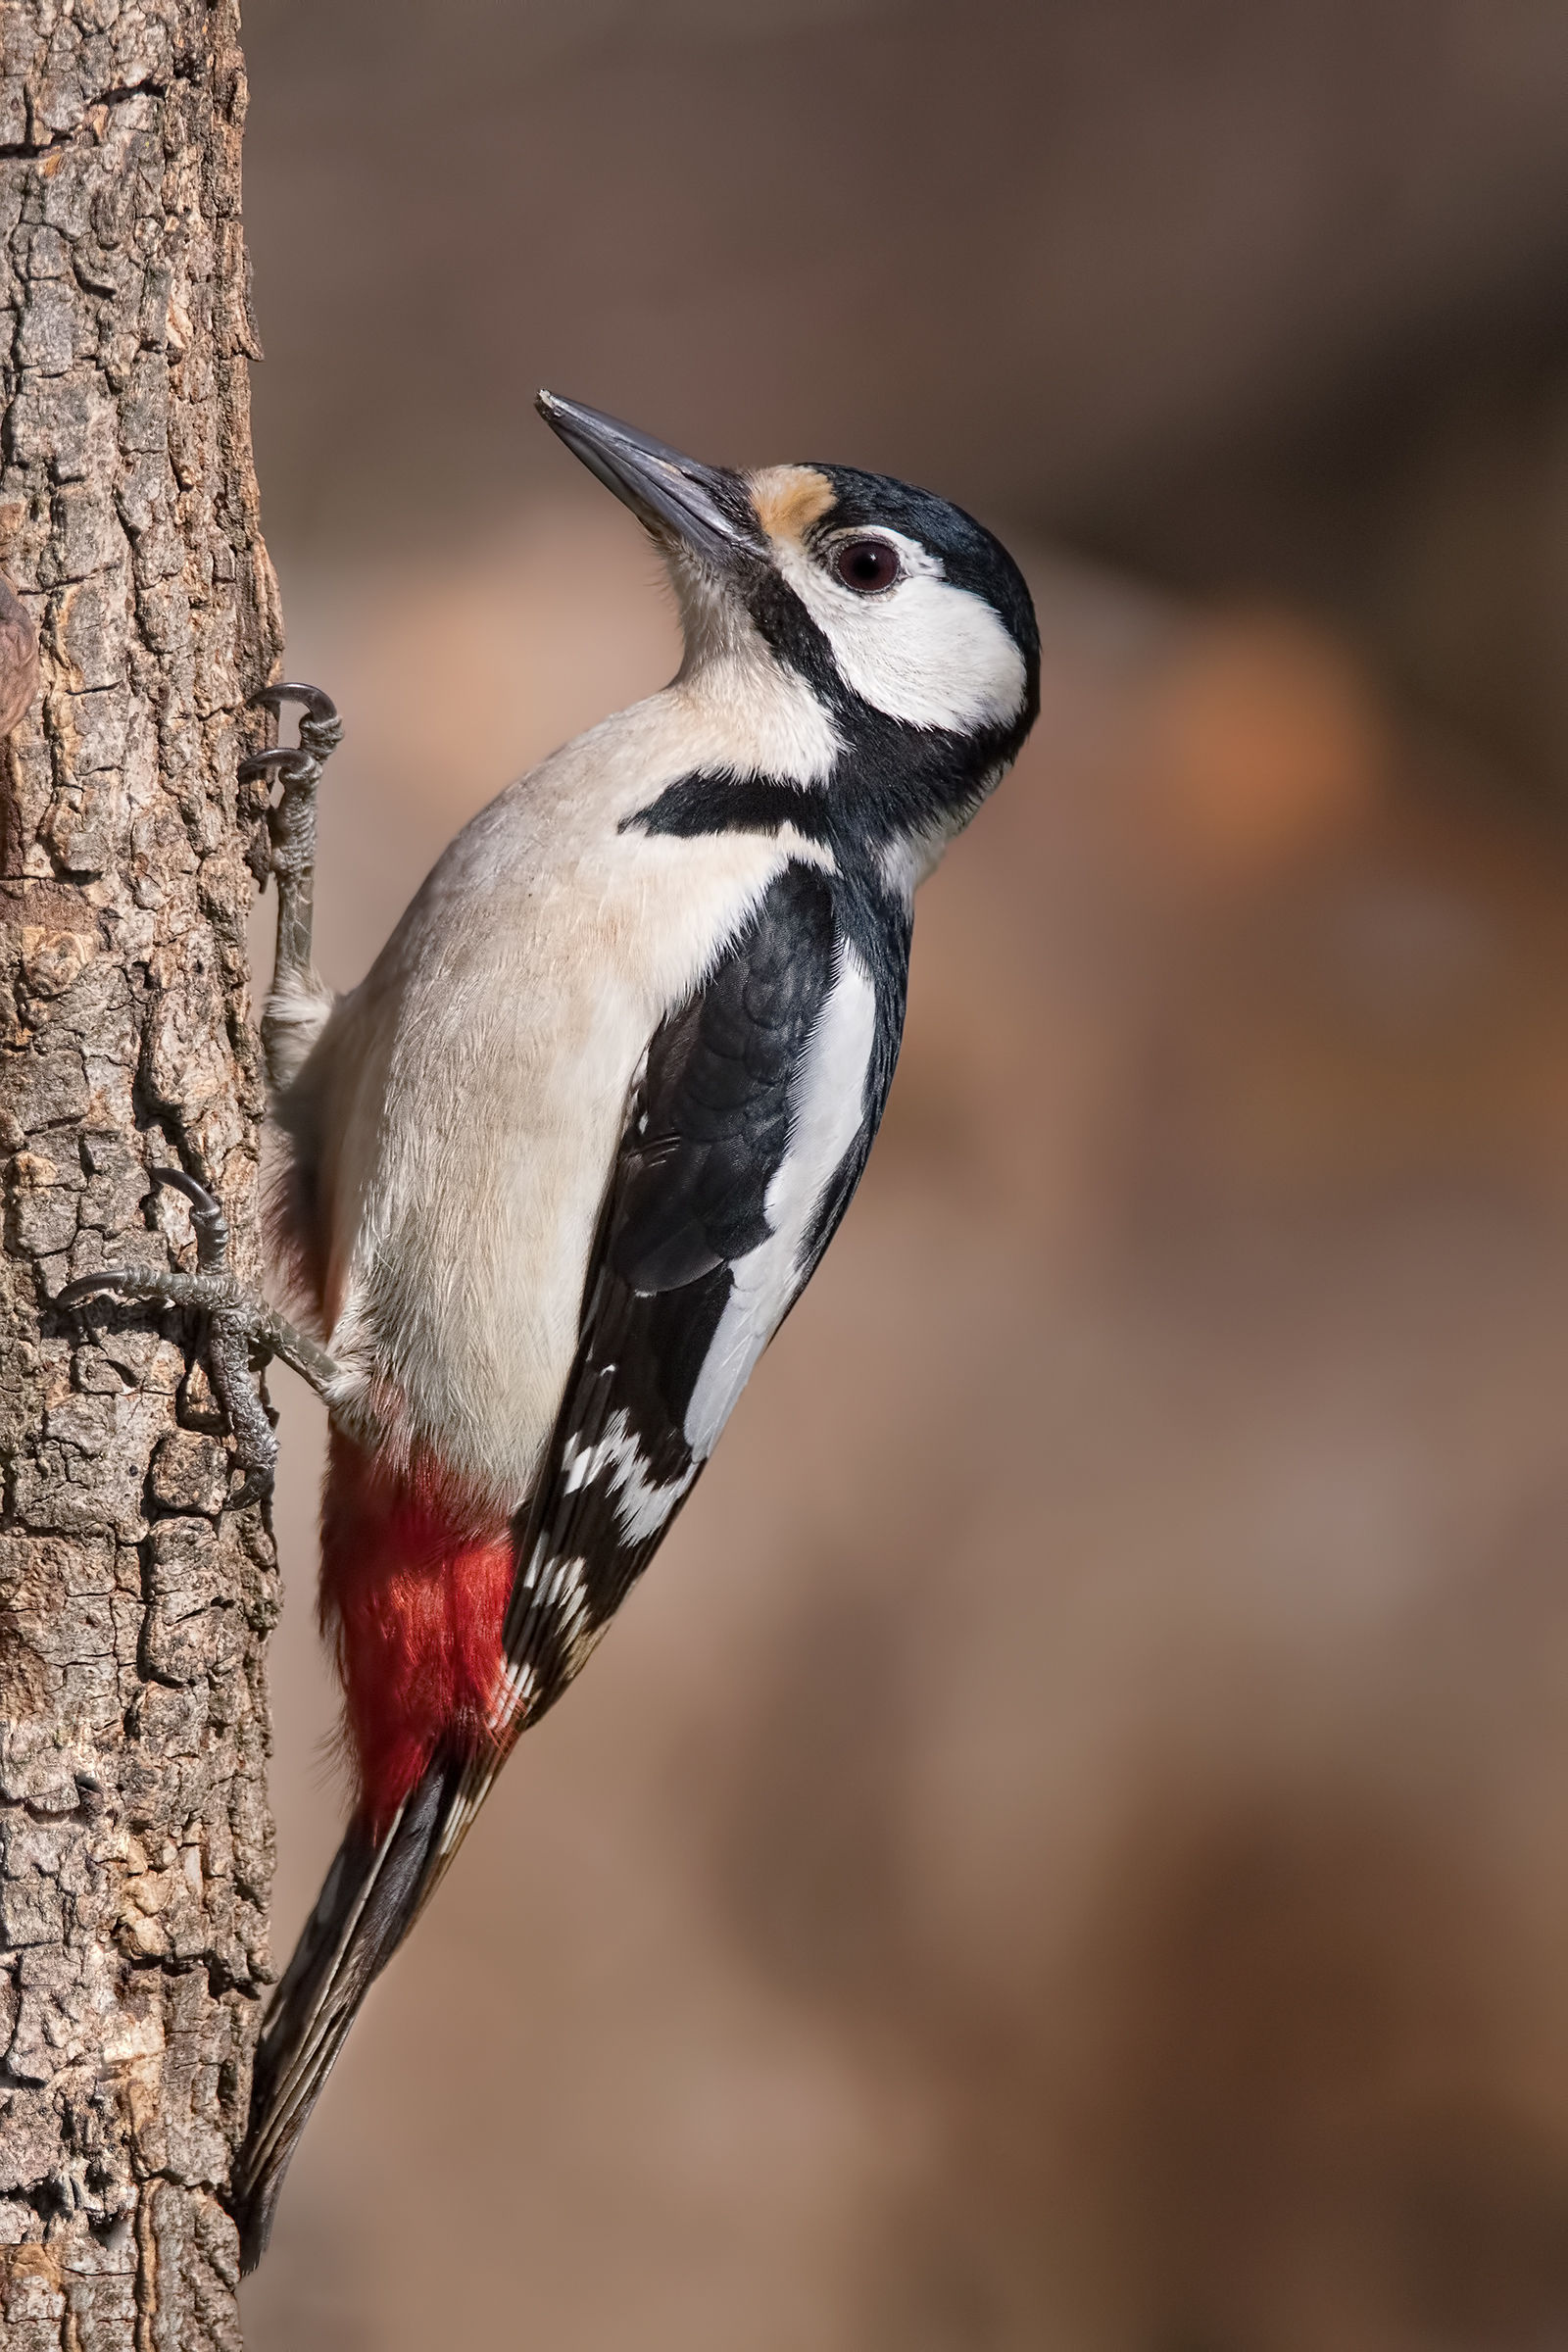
(367, 1905)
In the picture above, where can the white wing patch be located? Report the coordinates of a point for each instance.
(827, 1105)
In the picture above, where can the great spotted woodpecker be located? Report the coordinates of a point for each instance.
(563, 1162)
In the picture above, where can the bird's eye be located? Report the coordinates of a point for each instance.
(868, 566)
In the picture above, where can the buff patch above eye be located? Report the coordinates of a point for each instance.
(789, 499)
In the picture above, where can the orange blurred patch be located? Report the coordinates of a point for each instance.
(1260, 743)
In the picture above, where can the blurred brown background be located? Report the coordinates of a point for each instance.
(1069, 1846)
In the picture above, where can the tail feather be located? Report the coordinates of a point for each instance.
(367, 1905)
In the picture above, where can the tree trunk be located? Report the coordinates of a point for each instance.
(134, 1837)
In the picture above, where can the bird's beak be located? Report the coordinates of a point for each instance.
(674, 496)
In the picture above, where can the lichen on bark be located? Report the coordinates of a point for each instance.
(134, 1840)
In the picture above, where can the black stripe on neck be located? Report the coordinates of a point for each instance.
(718, 801)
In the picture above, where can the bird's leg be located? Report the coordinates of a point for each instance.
(238, 1320)
(291, 830)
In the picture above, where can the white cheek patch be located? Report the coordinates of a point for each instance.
(927, 652)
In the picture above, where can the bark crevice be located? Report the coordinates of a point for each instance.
(32, 150)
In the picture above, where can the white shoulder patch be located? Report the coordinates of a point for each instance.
(827, 1104)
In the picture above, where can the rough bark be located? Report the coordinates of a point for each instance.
(134, 1838)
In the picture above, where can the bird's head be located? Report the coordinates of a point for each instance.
(906, 622)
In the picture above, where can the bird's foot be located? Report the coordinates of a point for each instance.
(239, 1321)
(295, 766)
(288, 855)
(297, 769)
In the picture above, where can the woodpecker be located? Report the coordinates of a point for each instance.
(563, 1161)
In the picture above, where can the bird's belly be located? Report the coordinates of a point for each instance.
(459, 1314)
(480, 1301)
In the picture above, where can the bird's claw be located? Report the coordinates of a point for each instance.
(237, 1320)
(289, 852)
(320, 733)
(320, 727)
